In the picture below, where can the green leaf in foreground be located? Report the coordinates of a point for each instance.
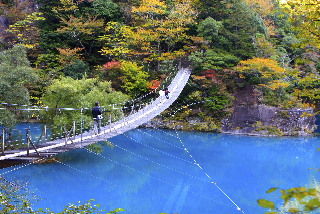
(265, 203)
(272, 189)
(312, 204)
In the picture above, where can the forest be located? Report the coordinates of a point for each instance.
(71, 53)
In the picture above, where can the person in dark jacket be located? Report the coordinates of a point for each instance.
(97, 116)
(166, 92)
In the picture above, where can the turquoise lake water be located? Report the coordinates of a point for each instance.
(148, 172)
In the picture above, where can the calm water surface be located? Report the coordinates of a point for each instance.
(148, 172)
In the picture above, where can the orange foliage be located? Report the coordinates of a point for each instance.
(68, 55)
(111, 65)
(153, 84)
(18, 11)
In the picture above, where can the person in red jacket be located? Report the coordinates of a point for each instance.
(97, 116)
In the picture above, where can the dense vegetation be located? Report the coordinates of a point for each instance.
(136, 44)
(70, 53)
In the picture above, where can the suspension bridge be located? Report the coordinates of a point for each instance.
(37, 153)
(68, 142)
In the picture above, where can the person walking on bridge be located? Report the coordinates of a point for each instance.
(97, 116)
(166, 92)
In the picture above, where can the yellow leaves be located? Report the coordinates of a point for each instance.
(276, 84)
(68, 55)
(30, 46)
(75, 25)
(67, 5)
(195, 77)
(183, 13)
(241, 76)
(149, 9)
(153, 27)
(268, 71)
(115, 51)
(228, 5)
(117, 39)
(310, 80)
(305, 15)
(25, 31)
(266, 67)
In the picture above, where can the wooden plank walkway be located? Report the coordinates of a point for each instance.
(130, 122)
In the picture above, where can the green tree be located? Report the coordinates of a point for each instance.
(212, 60)
(209, 29)
(15, 74)
(106, 9)
(218, 101)
(77, 69)
(134, 79)
(81, 93)
(71, 26)
(238, 30)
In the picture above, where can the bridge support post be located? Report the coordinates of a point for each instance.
(74, 130)
(81, 130)
(104, 116)
(123, 120)
(91, 128)
(65, 135)
(45, 135)
(81, 110)
(28, 141)
(2, 142)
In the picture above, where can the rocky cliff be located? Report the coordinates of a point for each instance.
(266, 120)
(251, 116)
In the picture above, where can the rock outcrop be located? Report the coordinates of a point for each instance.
(4, 24)
(266, 120)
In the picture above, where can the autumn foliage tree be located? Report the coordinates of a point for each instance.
(83, 28)
(263, 72)
(273, 81)
(157, 29)
(21, 16)
(305, 19)
(26, 31)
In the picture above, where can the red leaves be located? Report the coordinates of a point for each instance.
(208, 73)
(111, 65)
